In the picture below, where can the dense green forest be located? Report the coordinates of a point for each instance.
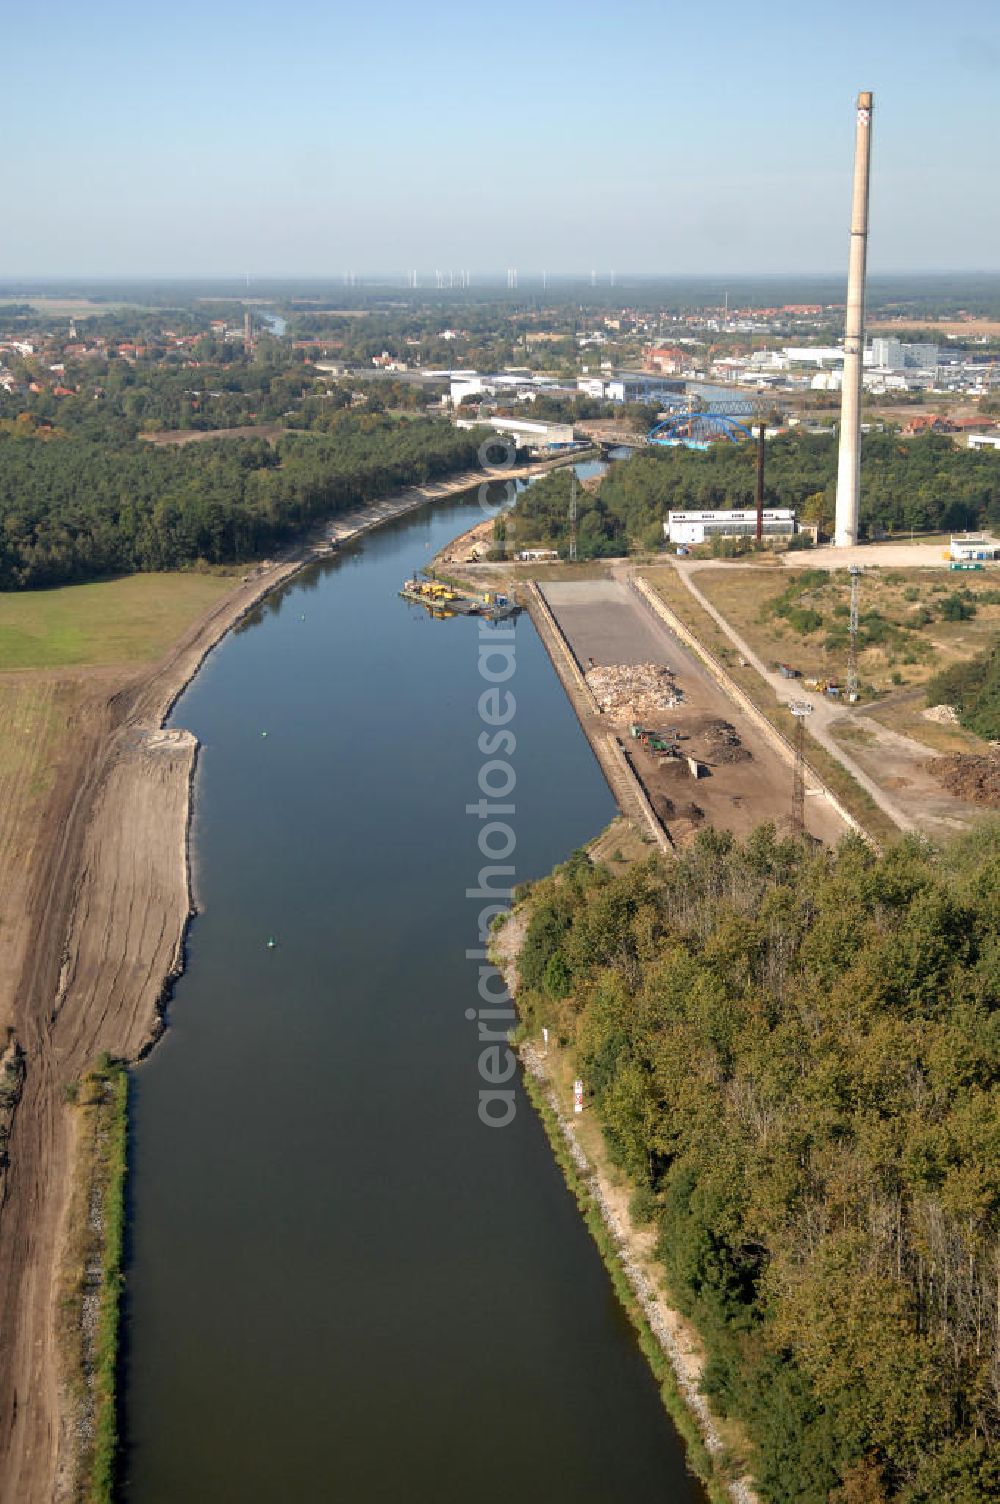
(924, 483)
(72, 509)
(973, 688)
(795, 1053)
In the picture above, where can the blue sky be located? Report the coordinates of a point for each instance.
(308, 138)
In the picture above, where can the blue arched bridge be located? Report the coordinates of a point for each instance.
(698, 430)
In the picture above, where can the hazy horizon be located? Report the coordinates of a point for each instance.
(395, 280)
(205, 142)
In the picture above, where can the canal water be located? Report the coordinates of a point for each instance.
(342, 1286)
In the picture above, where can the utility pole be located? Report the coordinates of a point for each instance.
(572, 514)
(852, 652)
(800, 709)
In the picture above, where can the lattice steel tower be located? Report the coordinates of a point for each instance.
(800, 709)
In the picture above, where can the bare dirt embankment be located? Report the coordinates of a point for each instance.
(102, 926)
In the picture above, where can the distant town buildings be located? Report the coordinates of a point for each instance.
(669, 360)
(890, 365)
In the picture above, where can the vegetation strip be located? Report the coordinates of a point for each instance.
(11, 1082)
(93, 1277)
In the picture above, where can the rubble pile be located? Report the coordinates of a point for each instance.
(944, 715)
(719, 743)
(971, 777)
(634, 691)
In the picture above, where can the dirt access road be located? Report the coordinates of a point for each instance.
(605, 621)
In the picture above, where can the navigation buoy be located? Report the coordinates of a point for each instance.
(270, 942)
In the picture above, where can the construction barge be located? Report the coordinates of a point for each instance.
(444, 600)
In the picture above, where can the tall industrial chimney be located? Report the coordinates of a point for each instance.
(849, 463)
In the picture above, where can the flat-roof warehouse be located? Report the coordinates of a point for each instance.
(734, 522)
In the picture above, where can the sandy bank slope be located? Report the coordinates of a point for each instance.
(105, 925)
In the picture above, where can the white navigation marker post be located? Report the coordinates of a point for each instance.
(849, 462)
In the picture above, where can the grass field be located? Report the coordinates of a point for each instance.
(906, 717)
(958, 327)
(49, 640)
(910, 653)
(64, 307)
(34, 714)
(129, 620)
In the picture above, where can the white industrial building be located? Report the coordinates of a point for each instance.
(527, 433)
(973, 546)
(517, 385)
(641, 387)
(814, 355)
(897, 355)
(737, 522)
(466, 384)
